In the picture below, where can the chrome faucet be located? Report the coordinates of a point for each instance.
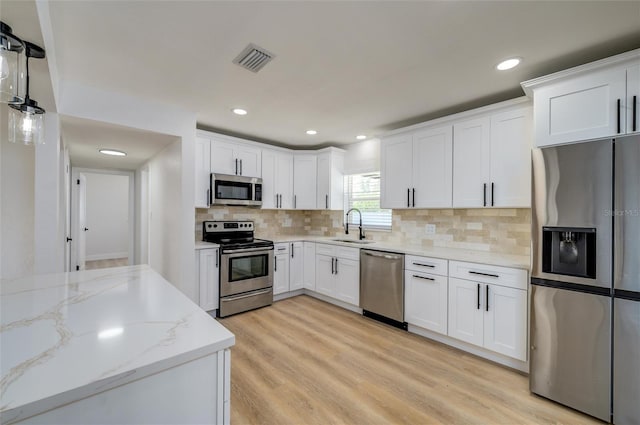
(346, 224)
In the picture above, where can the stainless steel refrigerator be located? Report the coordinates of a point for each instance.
(585, 298)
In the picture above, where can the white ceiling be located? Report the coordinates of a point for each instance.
(342, 68)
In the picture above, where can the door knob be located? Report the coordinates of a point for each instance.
(85, 229)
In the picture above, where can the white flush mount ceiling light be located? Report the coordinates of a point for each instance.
(361, 137)
(112, 152)
(508, 64)
(239, 111)
(312, 132)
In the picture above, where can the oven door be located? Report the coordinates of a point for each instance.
(246, 270)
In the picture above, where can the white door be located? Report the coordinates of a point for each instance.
(202, 171)
(281, 273)
(465, 311)
(396, 171)
(223, 158)
(581, 108)
(305, 176)
(505, 321)
(284, 179)
(347, 281)
(208, 279)
(633, 99)
(511, 159)
(310, 265)
(432, 168)
(81, 234)
(249, 162)
(426, 301)
(325, 279)
(270, 196)
(296, 266)
(471, 144)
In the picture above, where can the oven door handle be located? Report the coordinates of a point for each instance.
(234, 251)
(252, 294)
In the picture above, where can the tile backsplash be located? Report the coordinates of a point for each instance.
(498, 230)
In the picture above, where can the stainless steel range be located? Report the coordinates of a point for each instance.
(246, 266)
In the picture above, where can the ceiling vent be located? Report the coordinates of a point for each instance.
(253, 58)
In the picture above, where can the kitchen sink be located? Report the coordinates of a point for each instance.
(352, 241)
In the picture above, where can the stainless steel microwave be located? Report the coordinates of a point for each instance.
(235, 190)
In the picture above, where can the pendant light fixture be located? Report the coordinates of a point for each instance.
(26, 119)
(11, 73)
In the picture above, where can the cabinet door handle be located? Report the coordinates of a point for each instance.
(478, 296)
(424, 265)
(217, 259)
(275, 264)
(408, 195)
(486, 301)
(295, 201)
(635, 118)
(414, 197)
(484, 195)
(240, 167)
(291, 250)
(491, 193)
(332, 267)
(423, 277)
(619, 116)
(483, 274)
(326, 201)
(236, 166)
(336, 266)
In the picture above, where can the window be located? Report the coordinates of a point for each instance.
(362, 191)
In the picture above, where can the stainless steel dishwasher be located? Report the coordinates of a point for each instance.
(382, 286)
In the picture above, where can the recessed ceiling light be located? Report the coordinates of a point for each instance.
(311, 132)
(361, 137)
(239, 111)
(112, 152)
(508, 64)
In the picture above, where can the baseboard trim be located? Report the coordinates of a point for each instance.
(107, 256)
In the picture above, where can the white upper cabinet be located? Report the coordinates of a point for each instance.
(235, 158)
(588, 102)
(633, 99)
(416, 169)
(330, 179)
(277, 179)
(304, 181)
(471, 173)
(202, 170)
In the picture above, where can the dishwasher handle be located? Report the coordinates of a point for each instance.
(386, 256)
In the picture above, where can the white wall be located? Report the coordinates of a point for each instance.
(17, 209)
(107, 216)
(362, 157)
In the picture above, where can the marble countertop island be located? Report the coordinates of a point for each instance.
(67, 336)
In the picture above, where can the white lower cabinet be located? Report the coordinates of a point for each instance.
(490, 315)
(426, 301)
(296, 266)
(208, 277)
(338, 272)
(281, 269)
(309, 272)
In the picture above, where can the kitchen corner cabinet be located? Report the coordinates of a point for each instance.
(305, 168)
(488, 307)
(426, 292)
(296, 266)
(202, 171)
(492, 160)
(338, 272)
(309, 265)
(208, 277)
(416, 169)
(281, 269)
(594, 101)
(277, 179)
(330, 179)
(235, 158)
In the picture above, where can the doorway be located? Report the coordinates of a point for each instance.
(102, 219)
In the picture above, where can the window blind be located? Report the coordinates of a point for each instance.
(362, 191)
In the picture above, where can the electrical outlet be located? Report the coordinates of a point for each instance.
(430, 229)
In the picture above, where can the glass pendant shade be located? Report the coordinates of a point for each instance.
(12, 74)
(26, 124)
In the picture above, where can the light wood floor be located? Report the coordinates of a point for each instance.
(303, 361)
(105, 264)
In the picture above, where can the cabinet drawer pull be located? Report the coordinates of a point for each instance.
(486, 301)
(275, 264)
(478, 297)
(484, 274)
(423, 277)
(425, 265)
(619, 129)
(217, 258)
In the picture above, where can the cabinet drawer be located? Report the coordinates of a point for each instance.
(348, 253)
(435, 266)
(503, 276)
(281, 248)
(324, 249)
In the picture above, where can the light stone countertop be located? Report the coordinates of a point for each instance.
(67, 336)
(472, 256)
(206, 245)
